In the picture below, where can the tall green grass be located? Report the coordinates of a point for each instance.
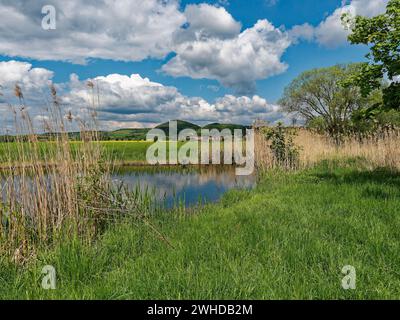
(288, 239)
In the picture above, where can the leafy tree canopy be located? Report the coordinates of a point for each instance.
(382, 35)
(319, 96)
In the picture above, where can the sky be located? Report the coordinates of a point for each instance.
(224, 61)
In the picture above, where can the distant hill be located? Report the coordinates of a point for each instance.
(127, 134)
(182, 125)
(121, 134)
(222, 126)
(138, 134)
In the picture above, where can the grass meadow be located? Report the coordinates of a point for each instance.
(288, 239)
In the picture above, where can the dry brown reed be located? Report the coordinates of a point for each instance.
(378, 150)
(50, 190)
(57, 190)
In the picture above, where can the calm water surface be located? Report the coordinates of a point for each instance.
(170, 186)
(188, 186)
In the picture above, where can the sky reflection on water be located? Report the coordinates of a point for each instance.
(184, 185)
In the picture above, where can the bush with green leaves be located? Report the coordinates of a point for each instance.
(285, 152)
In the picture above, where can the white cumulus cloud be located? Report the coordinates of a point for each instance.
(22, 73)
(122, 101)
(205, 20)
(133, 100)
(207, 40)
(34, 82)
(332, 33)
(129, 30)
(236, 62)
(304, 32)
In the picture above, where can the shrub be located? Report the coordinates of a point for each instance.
(285, 153)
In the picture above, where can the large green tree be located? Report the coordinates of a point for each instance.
(382, 35)
(319, 96)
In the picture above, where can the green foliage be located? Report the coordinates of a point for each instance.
(181, 125)
(370, 121)
(382, 35)
(318, 124)
(222, 126)
(285, 152)
(389, 118)
(126, 134)
(319, 95)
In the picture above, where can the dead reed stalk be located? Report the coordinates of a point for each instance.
(47, 187)
(378, 150)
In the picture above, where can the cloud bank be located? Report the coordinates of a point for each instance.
(206, 40)
(126, 101)
(135, 100)
(128, 30)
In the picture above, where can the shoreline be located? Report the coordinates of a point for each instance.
(133, 163)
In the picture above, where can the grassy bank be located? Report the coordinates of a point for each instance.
(289, 238)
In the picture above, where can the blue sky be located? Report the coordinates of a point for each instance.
(320, 43)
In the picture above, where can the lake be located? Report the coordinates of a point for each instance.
(188, 186)
(172, 186)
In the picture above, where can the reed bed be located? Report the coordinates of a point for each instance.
(53, 193)
(381, 149)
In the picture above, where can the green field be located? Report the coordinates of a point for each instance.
(126, 151)
(119, 152)
(288, 239)
(131, 151)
